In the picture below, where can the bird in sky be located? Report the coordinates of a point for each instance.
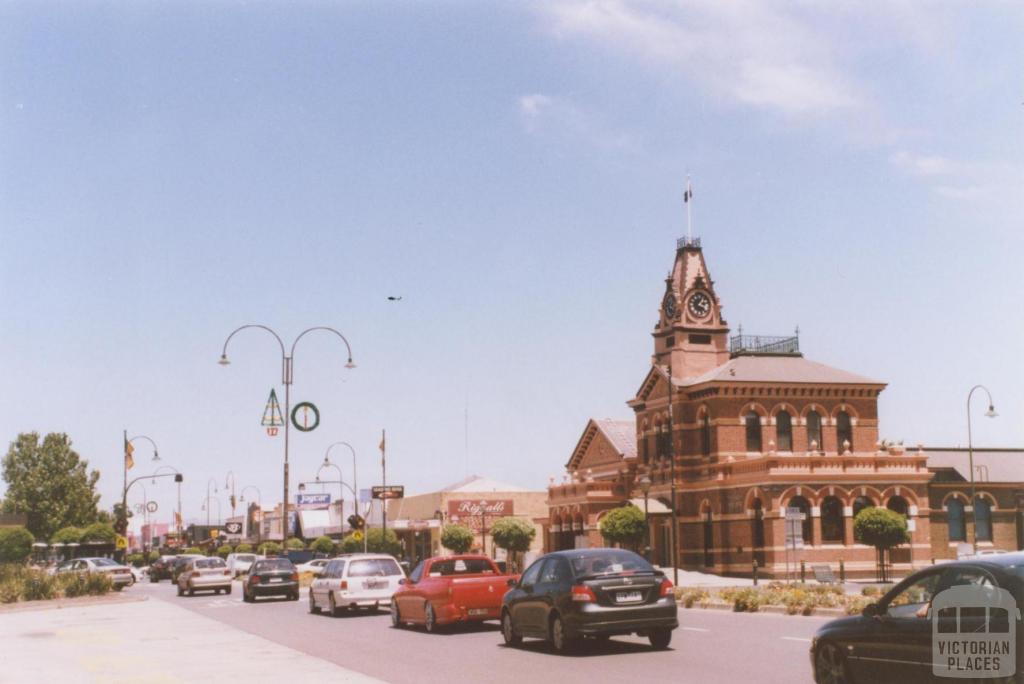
(394, 299)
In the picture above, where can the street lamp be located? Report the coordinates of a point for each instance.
(230, 477)
(259, 505)
(208, 483)
(286, 379)
(206, 508)
(177, 479)
(645, 487)
(990, 413)
(128, 449)
(355, 482)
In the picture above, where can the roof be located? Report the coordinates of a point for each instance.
(621, 433)
(990, 465)
(475, 483)
(766, 368)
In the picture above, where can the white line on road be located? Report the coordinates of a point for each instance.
(695, 629)
(797, 639)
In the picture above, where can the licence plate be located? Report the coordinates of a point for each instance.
(478, 611)
(276, 579)
(376, 584)
(628, 596)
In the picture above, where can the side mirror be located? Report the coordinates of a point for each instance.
(512, 581)
(871, 611)
(403, 581)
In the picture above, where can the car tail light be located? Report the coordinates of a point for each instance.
(227, 572)
(343, 585)
(583, 593)
(295, 576)
(667, 588)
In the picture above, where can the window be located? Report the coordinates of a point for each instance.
(814, 431)
(417, 572)
(664, 442)
(899, 505)
(805, 507)
(832, 527)
(982, 520)
(784, 431)
(374, 567)
(860, 503)
(700, 339)
(912, 600)
(844, 432)
(532, 573)
(955, 517)
(468, 566)
(753, 423)
(757, 531)
(556, 571)
(705, 435)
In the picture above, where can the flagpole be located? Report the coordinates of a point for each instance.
(384, 482)
(687, 196)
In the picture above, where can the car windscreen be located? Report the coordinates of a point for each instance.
(274, 564)
(374, 567)
(608, 562)
(245, 557)
(205, 563)
(469, 566)
(104, 562)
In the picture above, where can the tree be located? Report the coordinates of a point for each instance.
(243, 548)
(624, 525)
(322, 545)
(49, 482)
(376, 542)
(883, 529)
(295, 544)
(270, 548)
(458, 538)
(224, 550)
(99, 532)
(195, 550)
(514, 535)
(67, 535)
(15, 544)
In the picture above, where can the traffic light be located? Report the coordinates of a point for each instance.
(356, 522)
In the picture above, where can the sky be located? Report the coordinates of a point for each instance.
(514, 172)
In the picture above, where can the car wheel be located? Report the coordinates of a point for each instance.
(228, 590)
(660, 638)
(396, 618)
(294, 597)
(312, 604)
(332, 605)
(830, 665)
(153, 579)
(508, 632)
(560, 641)
(191, 590)
(429, 618)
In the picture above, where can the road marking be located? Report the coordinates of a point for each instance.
(797, 639)
(695, 629)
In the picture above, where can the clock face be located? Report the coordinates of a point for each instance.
(670, 305)
(699, 305)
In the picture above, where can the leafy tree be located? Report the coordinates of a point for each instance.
(153, 556)
(224, 550)
(67, 535)
(49, 482)
(294, 544)
(243, 548)
(376, 542)
(195, 550)
(458, 538)
(322, 545)
(15, 544)
(624, 525)
(514, 535)
(99, 532)
(883, 529)
(270, 548)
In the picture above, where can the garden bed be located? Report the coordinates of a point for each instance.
(777, 597)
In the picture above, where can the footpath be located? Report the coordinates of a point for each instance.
(146, 641)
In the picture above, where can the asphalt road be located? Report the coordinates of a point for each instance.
(710, 646)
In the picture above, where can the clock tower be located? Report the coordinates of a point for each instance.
(691, 336)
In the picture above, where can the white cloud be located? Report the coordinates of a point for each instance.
(963, 180)
(560, 115)
(923, 165)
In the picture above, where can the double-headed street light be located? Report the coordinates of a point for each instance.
(259, 505)
(286, 379)
(990, 413)
(355, 482)
(129, 448)
(177, 479)
(205, 508)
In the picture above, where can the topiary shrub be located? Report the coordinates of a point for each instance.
(243, 548)
(458, 538)
(322, 545)
(99, 532)
(515, 536)
(269, 548)
(223, 551)
(625, 525)
(153, 556)
(376, 542)
(294, 544)
(195, 550)
(15, 544)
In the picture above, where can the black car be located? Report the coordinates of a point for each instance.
(271, 577)
(567, 595)
(891, 641)
(160, 568)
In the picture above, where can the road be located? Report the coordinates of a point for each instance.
(711, 646)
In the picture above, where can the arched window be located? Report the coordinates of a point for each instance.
(664, 442)
(982, 520)
(955, 517)
(784, 431)
(805, 507)
(705, 435)
(844, 432)
(860, 503)
(757, 531)
(753, 422)
(832, 527)
(814, 431)
(899, 505)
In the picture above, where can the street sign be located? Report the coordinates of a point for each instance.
(121, 543)
(316, 500)
(151, 506)
(389, 492)
(357, 535)
(305, 417)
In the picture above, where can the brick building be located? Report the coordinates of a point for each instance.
(742, 427)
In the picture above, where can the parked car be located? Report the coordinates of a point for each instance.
(161, 568)
(450, 589)
(138, 573)
(358, 580)
(892, 639)
(315, 566)
(120, 575)
(271, 577)
(238, 563)
(179, 563)
(204, 574)
(600, 593)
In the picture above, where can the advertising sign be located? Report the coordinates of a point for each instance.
(389, 492)
(319, 500)
(474, 512)
(233, 529)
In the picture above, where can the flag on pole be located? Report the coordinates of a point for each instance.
(177, 519)
(688, 195)
(382, 446)
(129, 462)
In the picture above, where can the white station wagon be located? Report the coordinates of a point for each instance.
(359, 580)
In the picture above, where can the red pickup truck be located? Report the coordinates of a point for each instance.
(448, 590)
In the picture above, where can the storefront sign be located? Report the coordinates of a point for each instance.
(318, 500)
(474, 513)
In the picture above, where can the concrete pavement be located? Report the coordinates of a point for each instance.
(150, 641)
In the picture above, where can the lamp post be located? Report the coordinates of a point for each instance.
(206, 507)
(122, 521)
(286, 379)
(230, 477)
(259, 505)
(142, 508)
(208, 483)
(177, 479)
(990, 413)
(645, 487)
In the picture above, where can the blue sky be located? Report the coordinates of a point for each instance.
(514, 171)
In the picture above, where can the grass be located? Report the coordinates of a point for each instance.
(797, 599)
(18, 583)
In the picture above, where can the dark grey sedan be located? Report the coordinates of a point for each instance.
(599, 593)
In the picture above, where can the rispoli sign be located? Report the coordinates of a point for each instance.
(318, 500)
(472, 512)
